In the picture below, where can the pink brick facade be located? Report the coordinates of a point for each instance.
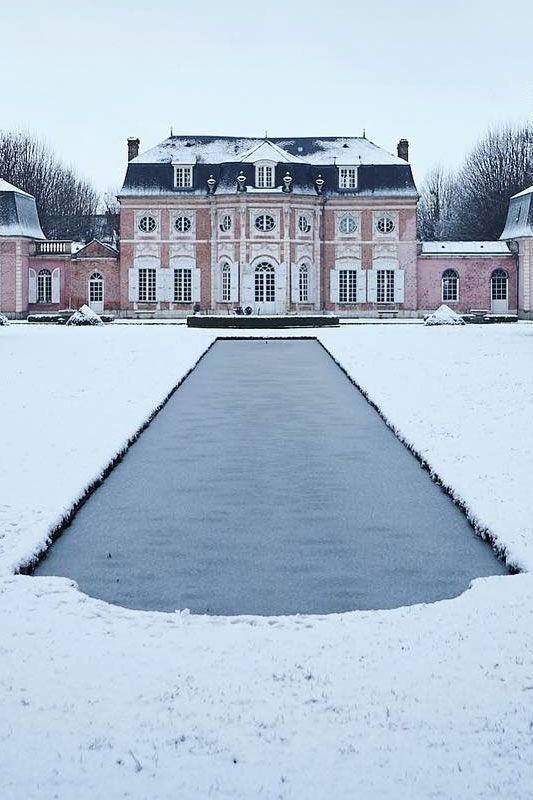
(303, 246)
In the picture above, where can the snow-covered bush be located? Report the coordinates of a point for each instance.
(84, 316)
(444, 315)
(3, 320)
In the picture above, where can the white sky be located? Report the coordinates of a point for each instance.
(86, 76)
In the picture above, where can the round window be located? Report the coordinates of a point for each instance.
(182, 224)
(225, 223)
(385, 225)
(264, 222)
(147, 224)
(348, 225)
(303, 224)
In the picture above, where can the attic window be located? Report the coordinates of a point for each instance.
(347, 177)
(264, 176)
(183, 177)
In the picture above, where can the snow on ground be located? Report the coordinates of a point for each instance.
(431, 701)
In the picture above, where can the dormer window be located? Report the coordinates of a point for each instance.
(183, 177)
(264, 176)
(347, 177)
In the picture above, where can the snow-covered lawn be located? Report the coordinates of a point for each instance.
(431, 701)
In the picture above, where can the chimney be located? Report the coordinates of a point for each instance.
(403, 149)
(133, 147)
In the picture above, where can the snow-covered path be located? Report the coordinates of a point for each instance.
(427, 701)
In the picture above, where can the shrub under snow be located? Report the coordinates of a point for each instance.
(84, 316)
(444, 315)
(3, 320)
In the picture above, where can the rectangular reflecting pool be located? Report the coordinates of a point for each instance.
(268, 485)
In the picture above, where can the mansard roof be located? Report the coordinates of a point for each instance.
(379, 173)
(519, 222)
(18, 213)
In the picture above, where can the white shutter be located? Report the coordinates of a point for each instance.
(162, 278)
(334, 285)
(361, 285)
(56, 287)
(32, 286)
(372, 286)
(295, 283)
(399, 285)
(196, 291)
(234, 282)
(248, 287)
(281, 277)
(133, 285)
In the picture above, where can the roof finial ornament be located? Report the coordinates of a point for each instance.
(266, 135)
(171, 132)
(364, 133)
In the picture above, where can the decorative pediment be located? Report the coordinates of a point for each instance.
(268, 151)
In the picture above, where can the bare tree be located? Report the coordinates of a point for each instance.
(111, 210)
(66, 203)
(435, 207)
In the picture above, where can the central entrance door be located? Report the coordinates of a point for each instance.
(265, 289)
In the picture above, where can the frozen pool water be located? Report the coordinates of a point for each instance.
(268, 485)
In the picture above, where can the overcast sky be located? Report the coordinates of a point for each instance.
(86, 76)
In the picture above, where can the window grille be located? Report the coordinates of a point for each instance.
(265, 291)
(182, 285)
(264, 177)
(450, 286)
(498, 284)
(347, 178)
(385, 286)
(147, 285)
(226, 283)
(96, 288)
(347, 286)
(183, 177)
(303, 284)
(44, 286)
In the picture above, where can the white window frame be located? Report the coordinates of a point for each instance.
(350, 220)
(96, 288)
(265, 175)
(304, 224)
(225, 222)
(183, 176)
(499, 285)
(147, 285)
(347, 285)
(225, 282)
(303, 283)
(146, 215)
(44, 287)
(347, 177)
(182, 285)
(386, 277)
(447, 276)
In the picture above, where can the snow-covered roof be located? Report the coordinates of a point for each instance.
(465, 248)
(8, 187)
(519, 222)
(18, 213)
(523, 192)
(230, 149)
(307, 160)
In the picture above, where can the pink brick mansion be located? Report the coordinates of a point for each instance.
(280, 225)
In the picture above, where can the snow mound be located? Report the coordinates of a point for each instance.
(84, 316)
(3, 320)
(444, 315)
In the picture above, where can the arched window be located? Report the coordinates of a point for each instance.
(303, 284)
(44, 286)
(226, 282)
(498, 285)
(265, 291)
(450, 286)
(96, 288)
